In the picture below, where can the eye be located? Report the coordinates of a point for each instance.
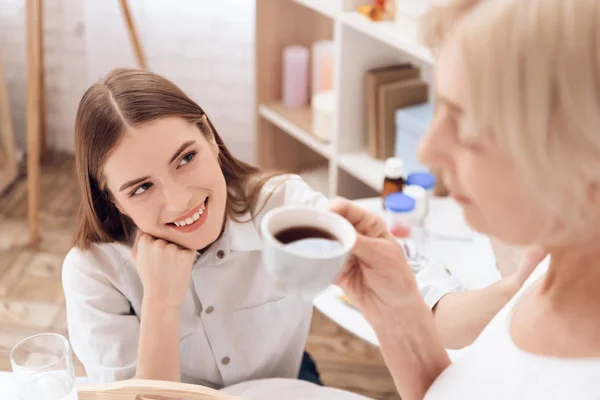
(141, 189)
(467, 138)
(187, 158)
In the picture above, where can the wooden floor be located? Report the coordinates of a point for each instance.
(32, 301)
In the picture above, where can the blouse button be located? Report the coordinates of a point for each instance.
(225, 360)
(220, 254)
(210, 309)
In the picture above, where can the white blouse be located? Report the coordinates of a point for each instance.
(495, 368)
(236, 324)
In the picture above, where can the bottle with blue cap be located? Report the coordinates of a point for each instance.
(400, 214)
(424, 180)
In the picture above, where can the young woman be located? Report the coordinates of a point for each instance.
(516, 134)
(165, 280)
(156, 181)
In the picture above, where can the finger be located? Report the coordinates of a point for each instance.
(172, 248)
(366, 249)
(365, 222)
(350, 264)
(161, 243)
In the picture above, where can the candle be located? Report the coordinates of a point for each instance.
(323, 105)
(295, 76)
(322, 66)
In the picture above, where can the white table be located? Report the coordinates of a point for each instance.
(468, 255)
(8, 388)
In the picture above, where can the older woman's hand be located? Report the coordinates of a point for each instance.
(377, 278)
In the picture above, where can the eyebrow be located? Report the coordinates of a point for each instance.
(181, 149)
(450, 104)
(132, 182)
(177, 153)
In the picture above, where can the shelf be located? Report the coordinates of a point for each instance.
(296, 123)
(364, 168)
(317, 178)
(403, 37)
(329, 8)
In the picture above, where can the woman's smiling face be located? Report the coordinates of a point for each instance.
(165, 175)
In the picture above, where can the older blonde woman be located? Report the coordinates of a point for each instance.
(517, 134)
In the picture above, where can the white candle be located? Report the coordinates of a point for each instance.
(323, 105)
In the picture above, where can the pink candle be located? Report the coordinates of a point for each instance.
(295, 76)
(322, 66)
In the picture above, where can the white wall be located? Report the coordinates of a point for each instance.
(205, 46)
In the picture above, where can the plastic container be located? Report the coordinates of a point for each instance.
(427, 182)
(400, 213)
(420, 195)
(418, 232)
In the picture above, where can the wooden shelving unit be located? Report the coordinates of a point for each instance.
(296, 123)
(284, 139)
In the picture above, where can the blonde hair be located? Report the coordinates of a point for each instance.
(533, 71)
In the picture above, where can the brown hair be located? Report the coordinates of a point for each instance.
(125, 98)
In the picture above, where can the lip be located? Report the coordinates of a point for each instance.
(460, 199)
(197, 224)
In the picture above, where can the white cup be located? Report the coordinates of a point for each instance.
(305, 272)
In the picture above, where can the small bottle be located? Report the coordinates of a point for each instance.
(395, 177)
(418, 233)
(400, 213)
(427, 182)
(420, 195)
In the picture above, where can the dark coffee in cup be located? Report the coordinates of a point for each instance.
(296, 233)
(309, 239)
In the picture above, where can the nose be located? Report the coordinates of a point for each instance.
(177, 197)
(436, 146)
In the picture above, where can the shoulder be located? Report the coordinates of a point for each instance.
(100, 262)
(289, 190)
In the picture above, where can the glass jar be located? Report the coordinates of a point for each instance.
(395, 177)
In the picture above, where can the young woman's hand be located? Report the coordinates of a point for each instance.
(164, 269)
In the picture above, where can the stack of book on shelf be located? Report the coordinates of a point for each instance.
(411, 124)
(387, 89)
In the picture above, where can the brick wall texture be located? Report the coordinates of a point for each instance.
(204, 46)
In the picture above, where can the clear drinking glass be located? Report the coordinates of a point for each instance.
(43, 368)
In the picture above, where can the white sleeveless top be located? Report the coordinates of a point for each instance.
(495, 368)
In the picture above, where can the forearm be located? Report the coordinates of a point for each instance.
(460, 317)
(158, 349)
(412, 349)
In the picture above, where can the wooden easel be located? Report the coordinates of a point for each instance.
(8, 162)
(36, 109)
